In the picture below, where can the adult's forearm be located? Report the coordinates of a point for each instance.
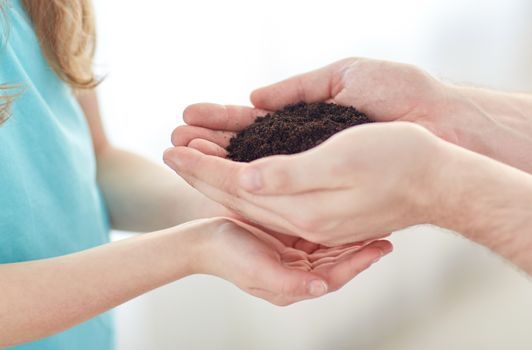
(490, 203)
(496, 124)
(40, 298)
(143, 196)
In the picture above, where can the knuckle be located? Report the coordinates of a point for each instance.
(280, 181)
(301, 89)
(350, 60)
(275, 173)
(416, 134)
(410, 130)
(228, 184)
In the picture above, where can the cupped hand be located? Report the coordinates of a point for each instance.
(385, 91)
(279, 268)
(361, 184)
(492, 123)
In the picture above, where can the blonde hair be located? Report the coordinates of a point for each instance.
(67, 35)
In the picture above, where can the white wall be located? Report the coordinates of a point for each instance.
(437, 291)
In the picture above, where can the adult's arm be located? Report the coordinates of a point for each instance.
(370, 180)
(489, 203)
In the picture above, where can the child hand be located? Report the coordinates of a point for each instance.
(278, 268)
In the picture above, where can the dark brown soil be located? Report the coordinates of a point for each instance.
(294, 129)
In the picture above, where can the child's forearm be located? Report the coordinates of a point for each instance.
(490, 203)
(143, 196)
(140, 195)
(41, 298)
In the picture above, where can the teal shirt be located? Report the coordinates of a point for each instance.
(50, 204)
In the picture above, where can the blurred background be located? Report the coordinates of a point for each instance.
(437, 290)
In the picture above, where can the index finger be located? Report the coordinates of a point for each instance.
(221, 117)
(339, 273)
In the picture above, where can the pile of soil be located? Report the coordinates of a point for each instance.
(294, 129)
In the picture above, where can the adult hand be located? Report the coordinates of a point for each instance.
(495, 124)
(491, 123)
(278, 268)
(361, 184)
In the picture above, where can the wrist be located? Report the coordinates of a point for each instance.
(495, 124)
(200, 237)
(487, 202)
(458, 189)
(175, 252)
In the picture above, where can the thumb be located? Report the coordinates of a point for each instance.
(290, 285)
(290, 174)
(315, 86)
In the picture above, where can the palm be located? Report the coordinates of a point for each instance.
(261, 263)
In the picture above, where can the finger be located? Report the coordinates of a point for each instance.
(290, 174)
(215, 179)
(335, 260)
(300, 264)
(297, 243)
(292, 255)
(274, 241)
(215, 171)
(182, 135)
(288, 240)
(339, 273)
(253, 214)
(328, 166)
(316, 86)
(208, 148)
(306, 246)
(333, 256)
(323, 251)
(297, 285)
(220, 117)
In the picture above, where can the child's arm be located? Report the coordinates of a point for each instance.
(43, 297)
(141, 195)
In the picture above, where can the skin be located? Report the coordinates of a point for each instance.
(496, 124)
(380, 177)
(43, 297)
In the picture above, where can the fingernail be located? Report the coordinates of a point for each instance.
(250, 180)
(317, 288)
